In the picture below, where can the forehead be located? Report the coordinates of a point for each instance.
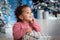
(26, 9)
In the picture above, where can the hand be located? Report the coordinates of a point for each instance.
(32, 21)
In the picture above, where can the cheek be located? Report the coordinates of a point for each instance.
(25, 17)
(28, 17)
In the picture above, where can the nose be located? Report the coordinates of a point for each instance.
(32, 14)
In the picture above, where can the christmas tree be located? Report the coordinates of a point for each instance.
(4, 11)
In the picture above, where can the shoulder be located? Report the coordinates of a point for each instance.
(17, 24)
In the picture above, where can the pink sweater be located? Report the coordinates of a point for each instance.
(19, 29)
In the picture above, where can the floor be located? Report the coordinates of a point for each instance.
(50, 30)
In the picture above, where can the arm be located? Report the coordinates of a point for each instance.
(17, 31)
(35, 26)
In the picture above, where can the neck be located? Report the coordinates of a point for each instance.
(24, 21)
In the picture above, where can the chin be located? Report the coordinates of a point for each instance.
(30, 19)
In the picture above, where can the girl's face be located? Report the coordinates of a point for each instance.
(27, 14)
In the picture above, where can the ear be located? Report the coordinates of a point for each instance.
(21, 17)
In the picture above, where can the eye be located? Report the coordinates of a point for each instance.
(27, 12)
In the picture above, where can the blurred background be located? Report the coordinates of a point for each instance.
(46, 13)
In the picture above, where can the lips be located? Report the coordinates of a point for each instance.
(30, 17)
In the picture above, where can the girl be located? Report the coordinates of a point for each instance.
(25, 22)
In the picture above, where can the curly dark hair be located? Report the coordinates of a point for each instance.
(19, 11)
